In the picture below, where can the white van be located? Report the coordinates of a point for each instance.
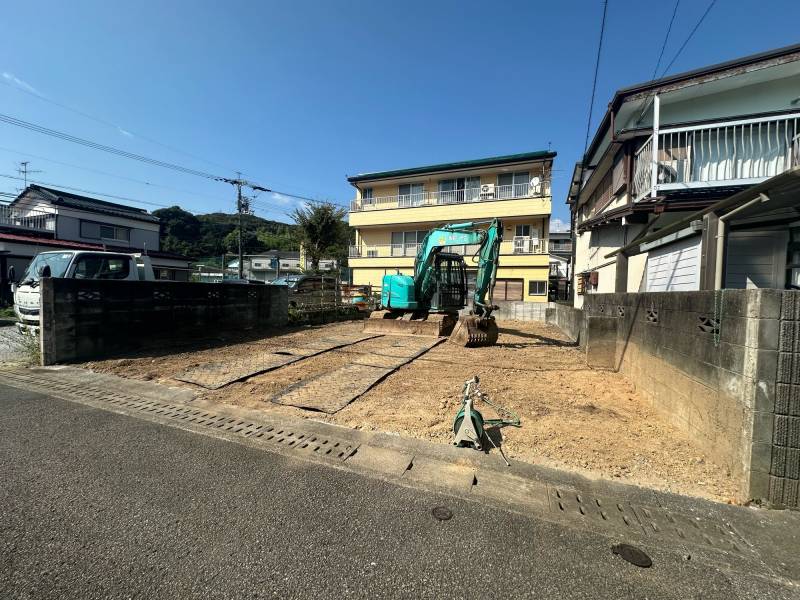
(71, 264)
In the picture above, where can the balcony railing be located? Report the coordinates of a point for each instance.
(561, 247)
(518, 245)
(524, 245)
(729, 153)
(19, 218)
(464, 196)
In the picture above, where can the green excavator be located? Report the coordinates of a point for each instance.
(428, 303)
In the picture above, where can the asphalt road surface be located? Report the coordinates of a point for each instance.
(99, 505)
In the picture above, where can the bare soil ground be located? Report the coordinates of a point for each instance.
(573, 417)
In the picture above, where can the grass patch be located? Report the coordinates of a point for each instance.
(31, 348)
(7, 313)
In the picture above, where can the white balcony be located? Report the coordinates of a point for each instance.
(518, 245)
(463, 196)
(26, 219)
(524, 245)
(728, 153)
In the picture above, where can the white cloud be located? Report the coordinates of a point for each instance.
(124, 132)
(280, 198)
(23, 85)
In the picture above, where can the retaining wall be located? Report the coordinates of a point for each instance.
(723, 368)
(88, 319)
(521, 311)
(568, 319)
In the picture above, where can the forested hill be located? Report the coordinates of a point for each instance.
(211, 235)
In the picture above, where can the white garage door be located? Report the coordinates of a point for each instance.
(756, 259)
(676, 267)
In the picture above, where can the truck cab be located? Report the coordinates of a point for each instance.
(71, 264)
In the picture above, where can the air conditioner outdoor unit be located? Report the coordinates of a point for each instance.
(487, 191)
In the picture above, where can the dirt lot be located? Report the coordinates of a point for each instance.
(572, 416)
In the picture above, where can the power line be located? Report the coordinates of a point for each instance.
(646, 101)
(138, 157)
(84, 191)
(110, 149)
(594, 82)
(106, 173)
(122, 130)
(666, 37)
(689, 37)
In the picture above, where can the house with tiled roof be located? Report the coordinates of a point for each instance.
(43, 218)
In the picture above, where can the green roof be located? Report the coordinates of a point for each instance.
(464, 164)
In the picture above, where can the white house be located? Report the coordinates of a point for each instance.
(669, 148)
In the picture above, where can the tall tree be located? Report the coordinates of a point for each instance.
(323, 232)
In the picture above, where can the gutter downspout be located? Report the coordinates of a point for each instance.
(722, 233)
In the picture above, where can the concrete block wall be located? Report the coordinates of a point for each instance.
(708, 362)
(567, 319)
(89, 319)
(521, 311)
(784, 474)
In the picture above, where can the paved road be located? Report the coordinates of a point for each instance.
(99, 505)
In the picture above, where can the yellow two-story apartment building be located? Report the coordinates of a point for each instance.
(394, 210)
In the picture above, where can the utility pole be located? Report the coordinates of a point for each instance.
(24, 171)
(242, 207)
(240, 210)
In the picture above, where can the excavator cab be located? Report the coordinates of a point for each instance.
(450, 292)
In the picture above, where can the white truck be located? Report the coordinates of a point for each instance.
(71, 264)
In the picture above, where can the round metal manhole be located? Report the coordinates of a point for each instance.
(633, 555)
(442, 513)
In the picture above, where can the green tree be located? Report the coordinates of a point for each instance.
(323, 232)
(251, 244)
(180, 230)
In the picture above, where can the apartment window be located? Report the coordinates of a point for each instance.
(513, 185)
(98, 231)
(508, 289)
(537, 288)
(367, 198)
(461, 189)
(522, 231)
(410, 194)
(406, 243)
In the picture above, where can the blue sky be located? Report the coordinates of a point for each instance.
(300, 94)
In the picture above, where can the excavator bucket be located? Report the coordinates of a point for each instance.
(473, 332)
(409, 323)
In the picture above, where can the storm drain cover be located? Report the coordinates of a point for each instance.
(633, 555)
(442, 513)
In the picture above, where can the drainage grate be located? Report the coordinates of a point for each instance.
(309, 444)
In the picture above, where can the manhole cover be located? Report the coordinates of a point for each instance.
(442, 513)
(633, 555)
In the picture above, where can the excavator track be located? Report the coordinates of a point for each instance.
(474, 332)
